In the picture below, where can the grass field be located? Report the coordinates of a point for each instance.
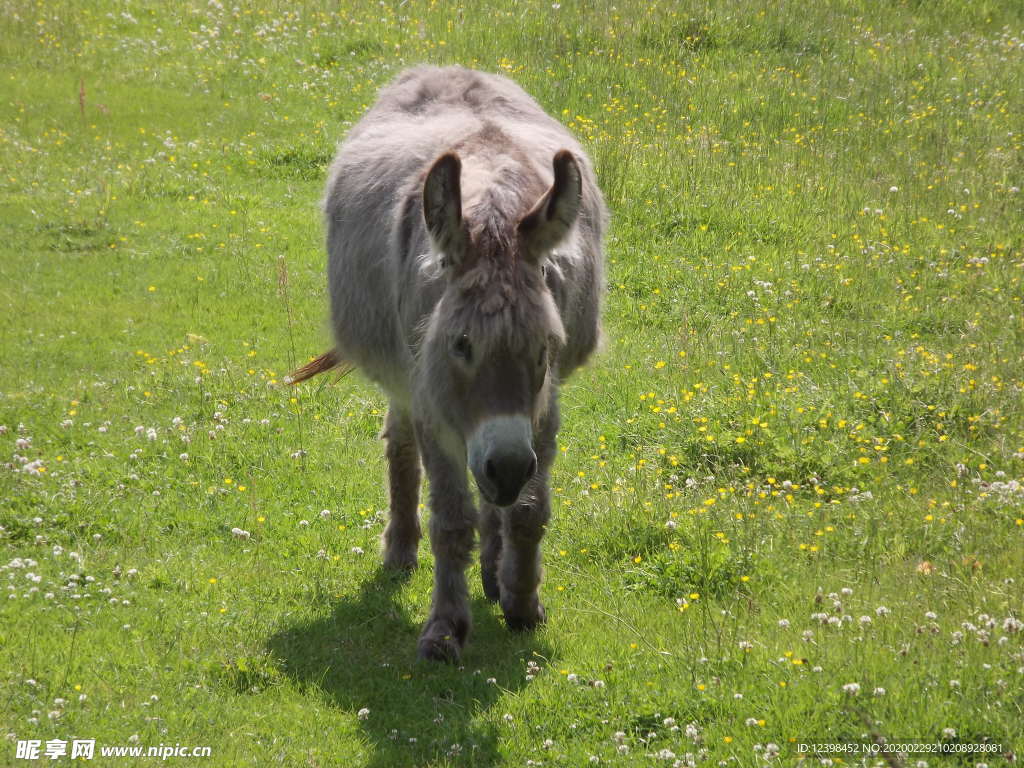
(789, 505)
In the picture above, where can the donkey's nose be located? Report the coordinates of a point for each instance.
(508, 469)
(500, 455)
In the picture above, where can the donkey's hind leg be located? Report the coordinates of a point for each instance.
(403, 532)
(490, 550)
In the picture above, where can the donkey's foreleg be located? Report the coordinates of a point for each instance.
(519, 572)
(453, 522)
(522, 528)
(402, 535)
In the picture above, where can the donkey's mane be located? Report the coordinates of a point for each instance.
(512, 189)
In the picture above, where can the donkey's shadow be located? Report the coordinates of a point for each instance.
(362, 657)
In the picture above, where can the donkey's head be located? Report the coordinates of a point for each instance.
(491, 347)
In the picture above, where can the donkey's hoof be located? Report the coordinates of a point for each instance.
(441, 641)
(527, 620)
(492, 591)
(438, 649)
(397, 560)
(399, 549)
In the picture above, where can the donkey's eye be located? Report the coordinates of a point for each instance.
(462, 348)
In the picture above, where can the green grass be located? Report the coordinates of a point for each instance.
(812, 383)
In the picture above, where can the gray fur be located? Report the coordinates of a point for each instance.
(479, 315)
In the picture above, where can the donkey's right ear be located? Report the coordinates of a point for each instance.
(442, 208)
(551, 219)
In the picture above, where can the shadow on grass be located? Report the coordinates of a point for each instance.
(363, 656)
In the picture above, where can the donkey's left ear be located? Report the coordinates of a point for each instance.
(550, 220)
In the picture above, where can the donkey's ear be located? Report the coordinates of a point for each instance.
(442, 207)
(554, 214)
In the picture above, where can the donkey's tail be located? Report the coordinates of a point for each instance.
(326, 362)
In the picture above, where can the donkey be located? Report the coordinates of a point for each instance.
(464, 240)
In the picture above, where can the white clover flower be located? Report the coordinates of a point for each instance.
(784, 623)
(878, 692)
(852, 689)
(238, 533)
(363, 713)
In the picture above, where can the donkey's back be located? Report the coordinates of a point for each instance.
(373, 209)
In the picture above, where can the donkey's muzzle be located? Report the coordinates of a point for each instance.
(501, 458)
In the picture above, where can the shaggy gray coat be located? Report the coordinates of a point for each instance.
(464, 233)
